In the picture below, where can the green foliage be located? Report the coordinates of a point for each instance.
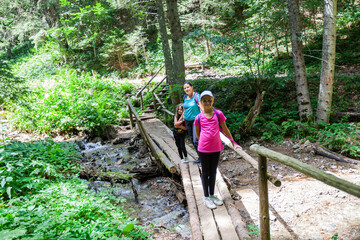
(38, 64)
(44, 199)
(28, 167)
(68, 210)
(342, 137)
(253, 229)
(71, 102)
(11, 86)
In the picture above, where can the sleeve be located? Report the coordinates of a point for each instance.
(222, 117)
(196, 121)
(198, 97)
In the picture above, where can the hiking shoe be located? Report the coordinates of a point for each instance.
(208, 203)
(185, 160)
(216, 200)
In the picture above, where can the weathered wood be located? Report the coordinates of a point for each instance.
(170, 166)
(351, 115)
(240, 226)
(327, 153)
(308, 170)
(208, 224)
(274, 180)
(253, 113)
(145, 136)
(264, 199)
(158, 84)
(131, 118)
(126, 120)
(145, 173)
(113, 177)
(191, 202)
(140, 91)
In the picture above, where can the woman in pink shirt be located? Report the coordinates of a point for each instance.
(207, 127)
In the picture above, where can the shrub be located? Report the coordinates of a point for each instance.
(27, 167)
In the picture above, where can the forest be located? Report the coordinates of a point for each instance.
(67, 67)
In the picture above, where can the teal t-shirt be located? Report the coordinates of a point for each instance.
(191, 107)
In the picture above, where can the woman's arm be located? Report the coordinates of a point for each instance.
(197, 131)
(178, 123)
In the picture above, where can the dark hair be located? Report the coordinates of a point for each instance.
(188, 83)
(180, 105)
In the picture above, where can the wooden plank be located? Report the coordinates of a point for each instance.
(224, 222)
(208, 224)
(191, 203)
(168, 150)
(237, 221)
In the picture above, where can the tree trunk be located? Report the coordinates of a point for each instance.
(302, 91)
(165, 42)
(8, 51)
(177, 47)
(328, 61)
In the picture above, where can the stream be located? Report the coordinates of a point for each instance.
(157, 203)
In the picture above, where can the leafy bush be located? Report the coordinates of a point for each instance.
(44, 199)
(10, 85)
(342, 137)
(68, 210)
(26, 168)
(71, 102)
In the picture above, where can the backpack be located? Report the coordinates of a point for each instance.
(196, 100)
(215, 111)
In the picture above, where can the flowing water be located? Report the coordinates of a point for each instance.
(157, 203)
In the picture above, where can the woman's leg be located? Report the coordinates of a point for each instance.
(214, 161)
(205, 168)
(191, 132)
(209, 163)
(182, 144)
(178, 145)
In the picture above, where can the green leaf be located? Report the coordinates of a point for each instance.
(128, 228)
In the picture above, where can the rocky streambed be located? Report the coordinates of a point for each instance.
(124, 168)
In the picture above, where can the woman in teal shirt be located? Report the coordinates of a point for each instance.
(191, 106)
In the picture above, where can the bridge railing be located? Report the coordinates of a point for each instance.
(139, 93)
(161, 160)
(306, 169)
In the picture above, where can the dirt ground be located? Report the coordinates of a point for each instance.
(302, 207)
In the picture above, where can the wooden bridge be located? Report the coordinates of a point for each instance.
(224, 222)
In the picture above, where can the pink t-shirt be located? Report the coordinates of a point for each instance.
(209, 140)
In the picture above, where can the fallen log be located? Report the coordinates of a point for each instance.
(145, 173)
(112, 177)
(332, 155)
(353, 115)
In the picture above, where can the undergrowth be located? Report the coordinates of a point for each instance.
(42, 197)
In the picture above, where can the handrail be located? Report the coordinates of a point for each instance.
(142, 89)
(308, 170)
(154, 149)
(274, 180)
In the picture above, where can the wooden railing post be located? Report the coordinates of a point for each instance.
(131, 117)
(264, 199)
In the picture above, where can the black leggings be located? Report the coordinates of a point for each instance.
(191, 131)
(209, 164)
(180, 143)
